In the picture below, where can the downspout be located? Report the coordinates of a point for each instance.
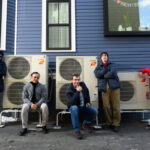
(16, 23)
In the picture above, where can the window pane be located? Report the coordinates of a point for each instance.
(64, 13)
(58, 37)
(129, 15)
(52, 13)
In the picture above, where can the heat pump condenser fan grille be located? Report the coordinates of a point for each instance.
(19, 68)
(69, 67)
(14, 93)
(126, 91)
(62, 94)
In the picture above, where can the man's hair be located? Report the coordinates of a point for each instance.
(34, 73)
(104, 52)
(75, 75)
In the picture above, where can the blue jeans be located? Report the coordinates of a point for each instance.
(89, 112)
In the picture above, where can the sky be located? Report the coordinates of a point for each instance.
(144, 11)
(144, 3)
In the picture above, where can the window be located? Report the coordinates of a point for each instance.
(3, 16)
(59, 26)
(127, 17)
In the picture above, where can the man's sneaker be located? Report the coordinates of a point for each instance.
(45, 130)
(23, 132)
(79, 135)
(88, 127)
(116, 128)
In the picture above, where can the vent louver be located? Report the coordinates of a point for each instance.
(126, 91)
(14, 93)
(69, 67)
(62, 94)
(19, 68)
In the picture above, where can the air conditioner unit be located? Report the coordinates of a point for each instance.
(68, 65)
(133, 91)
(19, 70)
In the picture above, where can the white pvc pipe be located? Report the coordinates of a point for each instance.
(16, 23)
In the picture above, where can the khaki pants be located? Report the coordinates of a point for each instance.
(25, 111)
(111, 105)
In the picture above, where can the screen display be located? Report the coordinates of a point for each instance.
(127, 17)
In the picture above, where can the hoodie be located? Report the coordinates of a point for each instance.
(107, 74)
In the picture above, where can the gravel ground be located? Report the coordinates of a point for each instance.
(132, 136)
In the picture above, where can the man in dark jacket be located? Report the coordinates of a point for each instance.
(3, 71)
(109, 85)
(79, 102)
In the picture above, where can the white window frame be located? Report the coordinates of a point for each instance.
(44, 34)
(3, 25)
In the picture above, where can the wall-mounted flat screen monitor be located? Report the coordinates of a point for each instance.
(127, 17)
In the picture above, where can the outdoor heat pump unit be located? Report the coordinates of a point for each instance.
(66, 66)
(133, 91)
(19, 69)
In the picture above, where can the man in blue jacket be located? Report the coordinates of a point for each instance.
(79, 102)
(3, 71)
(109, 85)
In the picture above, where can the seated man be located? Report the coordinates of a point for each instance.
(79, 102)
(34, 97)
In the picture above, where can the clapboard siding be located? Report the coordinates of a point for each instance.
(130, 53)
(29, 27)
(10, 27)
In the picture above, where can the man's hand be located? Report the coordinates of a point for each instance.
(79, 88)
(88, 104)
(140, 74)
(34, 106)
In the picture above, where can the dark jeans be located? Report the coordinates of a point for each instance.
(89, 113)
(1, 100)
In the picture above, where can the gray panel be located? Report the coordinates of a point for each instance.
(19, 68)
(62, 94)
(14, 93)
(126, 91)
(69, 67)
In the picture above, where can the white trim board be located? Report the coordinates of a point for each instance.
(3, 25)
(16, 26)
